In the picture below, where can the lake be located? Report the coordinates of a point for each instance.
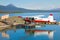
(20, 34)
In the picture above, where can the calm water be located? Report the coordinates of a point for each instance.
(20, 34)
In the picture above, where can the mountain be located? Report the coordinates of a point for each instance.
(12, 8)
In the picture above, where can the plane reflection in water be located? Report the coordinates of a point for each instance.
(50, 33)
(31, 31)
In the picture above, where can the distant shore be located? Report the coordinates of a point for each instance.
(11, 12)
(30, 12)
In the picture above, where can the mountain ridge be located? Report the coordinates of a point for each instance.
(12, 8)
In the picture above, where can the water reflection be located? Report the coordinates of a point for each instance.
(4, 34)
(29, 31)
(50, 33)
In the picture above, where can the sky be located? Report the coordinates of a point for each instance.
(33, 4)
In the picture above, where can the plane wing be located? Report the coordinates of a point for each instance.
(35, 16)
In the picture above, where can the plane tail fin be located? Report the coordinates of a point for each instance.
(51, 18)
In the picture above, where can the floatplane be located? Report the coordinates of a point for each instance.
(38, 19)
